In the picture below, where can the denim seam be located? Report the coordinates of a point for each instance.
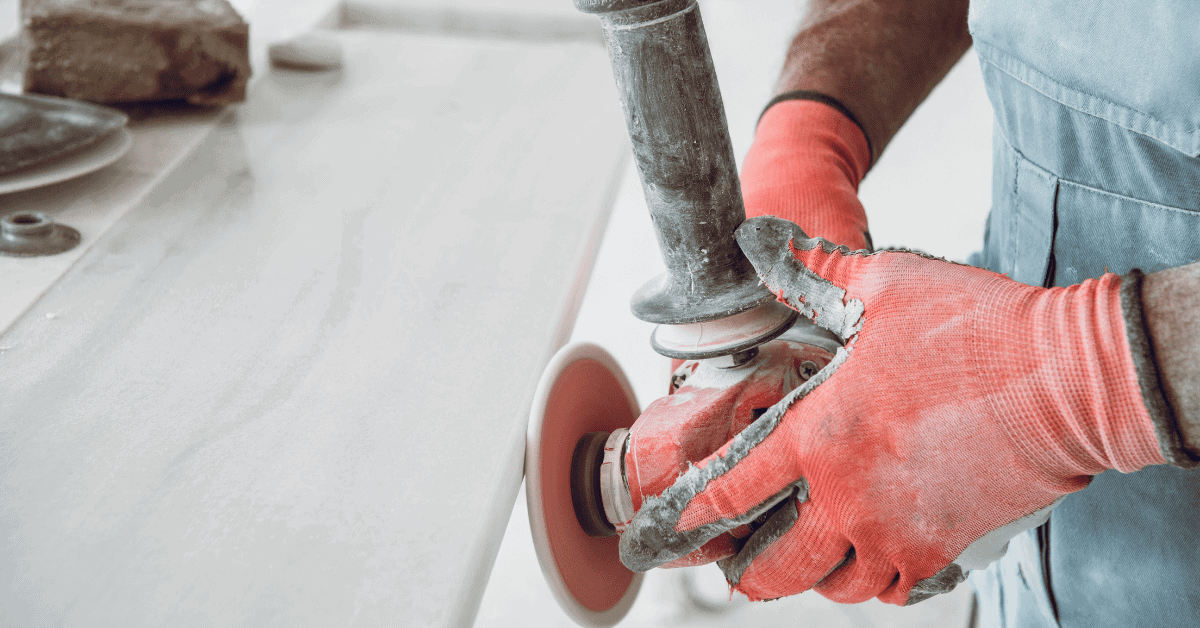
(1019, 156)
(1190, 212)
(1184, 141)
(1043, 178)
(1014, 220)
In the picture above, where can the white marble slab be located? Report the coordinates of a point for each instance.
(289, 385)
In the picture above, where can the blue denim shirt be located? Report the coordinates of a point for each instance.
(1097, 134)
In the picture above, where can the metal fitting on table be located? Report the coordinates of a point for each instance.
(32, 234)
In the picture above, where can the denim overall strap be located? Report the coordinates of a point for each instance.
(1097, 109)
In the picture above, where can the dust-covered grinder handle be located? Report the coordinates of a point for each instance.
(676, 120)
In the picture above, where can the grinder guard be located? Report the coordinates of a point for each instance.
(583, 390)
(580, 496)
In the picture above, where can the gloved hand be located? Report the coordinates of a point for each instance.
(805, 165)
(707, 406)
(962, 405)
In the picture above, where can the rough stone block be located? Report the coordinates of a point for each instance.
(113, 51)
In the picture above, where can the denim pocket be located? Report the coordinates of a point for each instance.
(1047, 230)
(1020, 230)
(1100, 232)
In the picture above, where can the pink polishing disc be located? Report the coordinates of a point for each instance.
(582, 390)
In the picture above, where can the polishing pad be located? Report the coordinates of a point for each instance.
(724, 336)
(582, 390)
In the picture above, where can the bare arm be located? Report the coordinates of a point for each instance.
(1171, 302)
(880, 58)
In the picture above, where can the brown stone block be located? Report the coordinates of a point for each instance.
(114, 51)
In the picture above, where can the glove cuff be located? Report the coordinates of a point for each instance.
(1074, 399)
(805, 166)
(804, 94)
(1166, 425)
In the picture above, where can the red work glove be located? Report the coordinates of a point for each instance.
(709, 405)
(805, 165)
(963, 404)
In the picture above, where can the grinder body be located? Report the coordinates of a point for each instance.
(614, 472)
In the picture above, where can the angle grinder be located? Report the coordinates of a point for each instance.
(709, 306)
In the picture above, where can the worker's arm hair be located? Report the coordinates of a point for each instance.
(879, 58)
(1171, 306)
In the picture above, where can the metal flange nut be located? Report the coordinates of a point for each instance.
(32, 234)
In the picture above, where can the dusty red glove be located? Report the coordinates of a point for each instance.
(709, 405)
(963, 403)
(805, 165)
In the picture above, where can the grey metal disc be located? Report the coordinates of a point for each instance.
(35, 129)
(33, 234)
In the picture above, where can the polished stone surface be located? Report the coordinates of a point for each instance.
(289, 384)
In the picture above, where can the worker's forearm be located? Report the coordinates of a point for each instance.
(880, 58)
(1171, 305)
